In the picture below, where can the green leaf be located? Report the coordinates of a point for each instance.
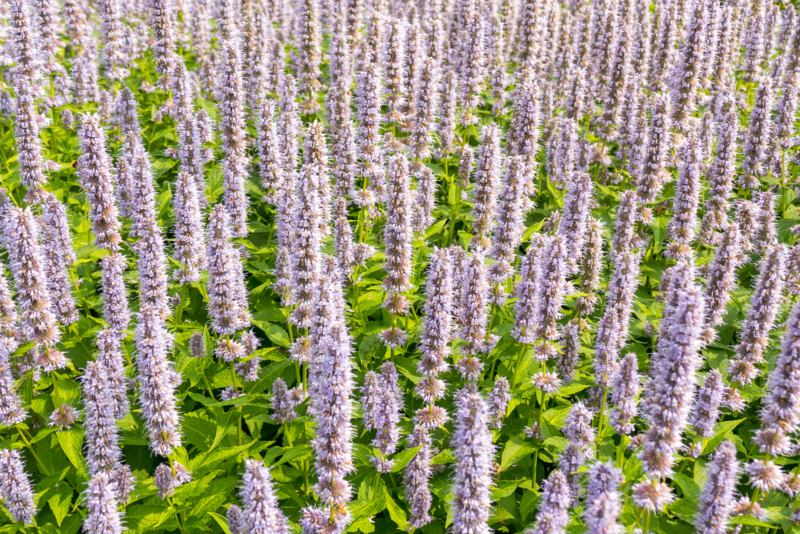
(147, 517)
(370, 500)
(435, 228)
(204, 462)
(222, 521)
(370, 301)
(571, 389)
(198, 430)
(395, 512)
(71, 442)
(298, 452)
(443, 458)
(275, 333)
(689, 488)
(515, 449)
(402, 458)
(60, 501)
(724, 429)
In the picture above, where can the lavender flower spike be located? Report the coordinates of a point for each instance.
(721, 278)
(227, 296)
(486, 178)
(15, 488)
(681, 228)
(553, 514)
(717, 498)
(761, 316)
(330, 390)
(387, 412)
(58, 255)
(11, 411)
(8, 309)
(261, 513)
(590, 267)
(472, 445)
(306, 237)
(416, 479)
(498, 402)
(707, 403)
(653, 173)
(103, 452)
(21, 237)
(474, 306)
(234, 143)
(437, 323)
(190, 245)
(603, 500)
(550, 292)
(758, 135)
(94, 171)
(115, 297)
(672, 386)
(572, 224)
(525, 307)
(397, 233)
(509, 220)
(104, 517)
(780, 413)
(111, 360)
(158, 381)
(624, 392)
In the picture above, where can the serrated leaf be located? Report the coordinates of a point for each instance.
(515, 449)
(274, 333)
(71, 442)
(222, 521)
(60, 501)
(724, 429)
(147, 517)
(401, 459)
(370, 301)
(205, 462)
(298, 452)
(395, 512)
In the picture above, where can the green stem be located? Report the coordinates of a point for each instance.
(297, 374)
(520, 357)
(208, 384)
(36, 457)
(177, 514)
(601, 414)
(541, 410)
(286, 435)
(236, 408)
(621, 450)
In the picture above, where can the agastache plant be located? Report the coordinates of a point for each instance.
(94, 172)
(717, 497)
(780, 412)
(437, 332)
(11, 409)
(15, 487)
(397, 238)
(668, 400)
(473, 449)
(234, 142)
(760, 317)
(330, 391)
(38, 321)
(157, 383)
(321, 266)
